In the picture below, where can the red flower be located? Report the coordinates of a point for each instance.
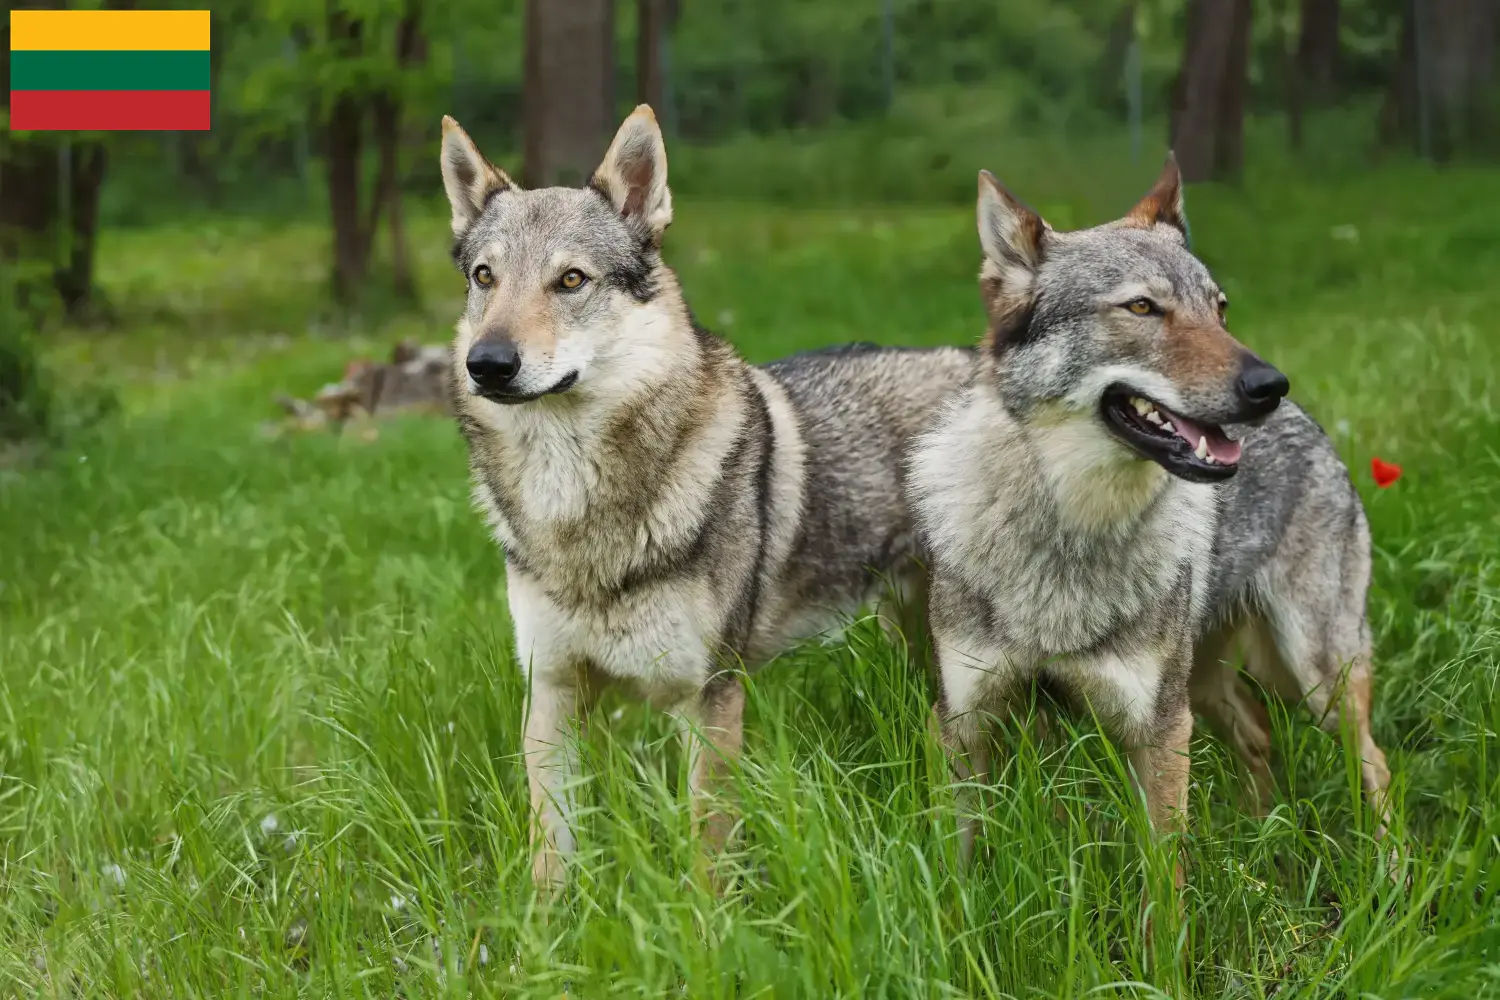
(1385, 473)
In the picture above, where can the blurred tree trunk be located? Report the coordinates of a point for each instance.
(651, 37)
(194, 148)
(819, 91)
(74, 275)
(386, 127)
(1283, 69)
(345, 135)
(1318, 50)
(386, 107)
(28, 208)
(1444, 69)
(355, 229)
(1459, 61)
(567, 93)
(28, 182)
(1399, 111)
(1229, 126)
(1110, 83)
(1208, 107)
(1314, 71)
(43, 222)
(46, 223)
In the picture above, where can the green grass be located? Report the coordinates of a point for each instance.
(259, 713)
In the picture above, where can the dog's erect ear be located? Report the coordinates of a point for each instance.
(1010, 232)
(633, 175)
(1163, 203)
(1012, 236)
(468, 177)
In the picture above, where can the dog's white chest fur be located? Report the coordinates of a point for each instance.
(652, 639)
(572, 603)
(1081, 561)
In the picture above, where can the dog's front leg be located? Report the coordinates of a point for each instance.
(978, 682)
(967, 747)
(713, 731)
(1161, 768)
(551, 750)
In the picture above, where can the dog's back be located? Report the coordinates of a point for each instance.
(1292, 511)
(858, 407)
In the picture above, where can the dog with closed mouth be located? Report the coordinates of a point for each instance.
(667, 511)
(1120, 499)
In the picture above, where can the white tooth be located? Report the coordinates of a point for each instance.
(1154, 417)
(1202, 450)
(1141, 406)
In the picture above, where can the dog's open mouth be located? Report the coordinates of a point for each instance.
(1200, 453)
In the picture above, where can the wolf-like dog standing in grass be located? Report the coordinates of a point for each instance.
(666, 510)
(1091, 523)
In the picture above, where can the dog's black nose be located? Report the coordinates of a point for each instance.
(493, 363)
(1262, 385)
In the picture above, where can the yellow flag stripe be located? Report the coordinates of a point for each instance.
(75, 30)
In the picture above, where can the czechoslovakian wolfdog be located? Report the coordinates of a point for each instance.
(666, 510)
(1091, 525)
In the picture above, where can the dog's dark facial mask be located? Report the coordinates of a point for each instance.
(1122, 325)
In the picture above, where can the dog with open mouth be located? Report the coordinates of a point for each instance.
(1121, 500)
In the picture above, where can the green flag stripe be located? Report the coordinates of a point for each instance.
(108, 70)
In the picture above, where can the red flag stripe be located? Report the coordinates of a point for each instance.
(109, 110)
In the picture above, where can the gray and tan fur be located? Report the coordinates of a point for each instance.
(667, 511)
(1113, 557)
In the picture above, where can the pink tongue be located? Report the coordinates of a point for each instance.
(1224, 451)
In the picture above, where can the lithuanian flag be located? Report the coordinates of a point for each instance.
(109, 70)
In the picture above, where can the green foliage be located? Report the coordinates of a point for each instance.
(262, 716)
(35, 409)
(25, 396)
(766, 67)
(738, 69)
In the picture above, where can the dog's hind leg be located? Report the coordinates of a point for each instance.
(1227, 701)
(1314, 639)
(903, 614)
(1327, 663)
(1351, 684)
(1375, 773)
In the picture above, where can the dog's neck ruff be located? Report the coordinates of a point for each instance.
(1097, 486)
(591, 496)
(1052, 524)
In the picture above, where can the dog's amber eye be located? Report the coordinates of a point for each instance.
(484, 276)
(1141, 307)
(572, 280)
